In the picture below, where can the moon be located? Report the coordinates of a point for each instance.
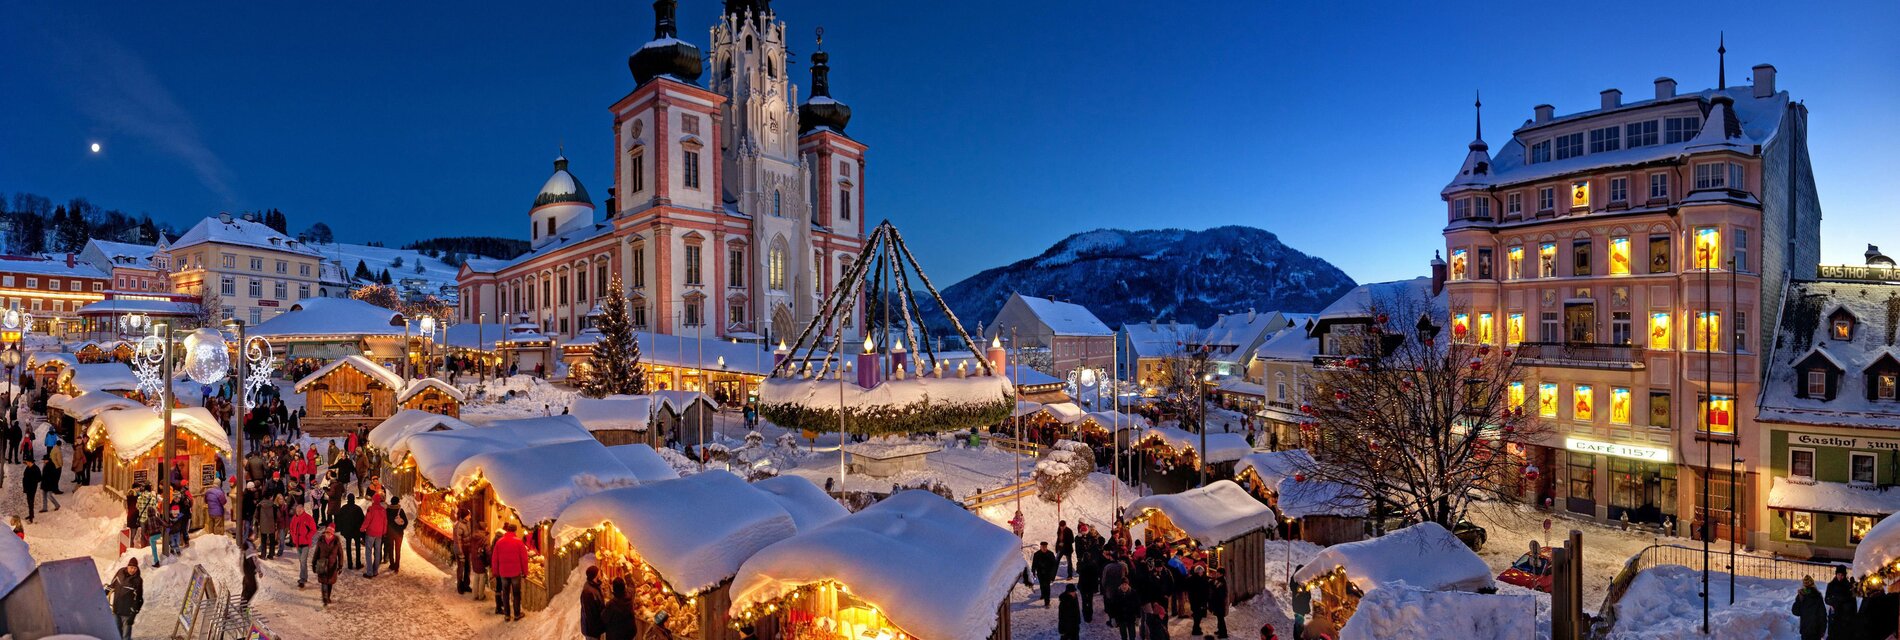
(95, 147)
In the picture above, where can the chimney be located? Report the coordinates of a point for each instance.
(1544, 113)
(69, 261)
(1764, 80)
(1438, 274)
(1665, 88)
(1611, 98)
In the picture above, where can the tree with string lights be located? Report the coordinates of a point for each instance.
(614, 366)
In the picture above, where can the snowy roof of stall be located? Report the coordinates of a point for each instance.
(1240, 386)
(1424, 555)
(539, 481)
(678, 401)
(439, 453)
(645, 463)
(480, 337)
(416, 386)
(1405, 611)
(1221, 447)
(809, 505)
(930, 566)
(1879, 548)
(1065, 318)
(45, 357)
(393, 433)
(132, 305)
(1213, 514)
(1832, 497)
(1805, 329)
(615, 412)
(1065, 412)
(1274, 466)
(134, 431)
(1027, 407)
(89, 405)
(362, 364)
(1158, 339)
(1117, 421)
(1315, 497)
(15, 564)
(240, 232)
(331, 317)
(104, 376)
(703, 352)
(695, 531)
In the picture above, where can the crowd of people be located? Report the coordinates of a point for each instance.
(1143, 585)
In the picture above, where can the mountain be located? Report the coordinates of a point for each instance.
(1169, 274)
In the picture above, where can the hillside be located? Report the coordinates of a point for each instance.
(435, 273)
(1170, 274)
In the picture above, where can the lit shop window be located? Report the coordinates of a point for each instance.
(1858, 528)
(1708, 248)
(1484, 328)
(1584, 409)
(1460, 326)
(1514, 328)
(1619, 405)
(1717, 415)
(1800, 525)
(1514, 265)
(1708, 331)
(1517, 395)
(1620, 256)
(1547, 260)
(1547, 399)
(1659, 330)
(1458, 264)
(1580, 194)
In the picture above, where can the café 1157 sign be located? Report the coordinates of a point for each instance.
(1634, 452)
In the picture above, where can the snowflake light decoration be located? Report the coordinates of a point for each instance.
(148, 361)
(257, 356)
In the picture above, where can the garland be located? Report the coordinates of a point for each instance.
(921, 416)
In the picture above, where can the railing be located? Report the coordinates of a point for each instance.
(1583, 352)
(1752, 566)
(1852, 272)
(1013, 445)
(1000, 495)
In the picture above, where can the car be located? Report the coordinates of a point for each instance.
(1471, 534)
(1528, 573)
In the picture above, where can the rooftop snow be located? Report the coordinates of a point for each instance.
(1274, 466)
(90, 404)
(15, 564)
(1221, 447)
(1879, 548)
(1026, 377)
(38, 267)
(538, 482)
(809, 505)
(824, 394)
(1805, 327)
(694, 531)
(1360, 301)
(1424, 555)
(138, 254)
(1066, 318)
(678, 401)
(1420, 614)
(133, 432)
(439, 453)
(150, 307)
(416, 386)
(240, 232)
(331, 317)
(104, 376)
(393, 433)
(1313, 497)
(1213, 514)
(1833, 497)
(645, 463)
(1159, 339)
(616, 412)
(360, 363)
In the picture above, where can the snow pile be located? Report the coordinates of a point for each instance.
(1310, 497)
(808, 505)
(15, 563)
(105, 376)
(135, 431)
(393, 433)
(1879, 548)
(1424, 555)
(439, 453)
(934, 569)
(1403, 611)
(90, 404)
(616, 412)
(418, 386)
(538, 482)
(645, 463)
(681, 464)
(694, 531)
(1213, 514)
(362, 364)
(1662, 602)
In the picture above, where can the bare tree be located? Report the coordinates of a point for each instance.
(209, 313)
(1418, 418)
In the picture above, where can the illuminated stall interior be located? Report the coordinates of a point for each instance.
(1424, 556)
(131, 442)
(1217, 526)
(389, 440)
(347, 393)
(432, 456)
(1172, 460)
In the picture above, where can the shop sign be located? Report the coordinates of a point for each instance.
(1844, 442)
(1635, 452)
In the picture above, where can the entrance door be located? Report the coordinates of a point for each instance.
(1725, 499)
(1581, 475)
(1580, 323)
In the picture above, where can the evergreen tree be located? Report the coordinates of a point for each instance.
(29, 234)
(362, 272)
(614, 367)
(384, 278)
(275, 220)
(397, 263)
(70, 236)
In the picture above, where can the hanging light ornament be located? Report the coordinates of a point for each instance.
(427, 327)
(206, 361)
(12, 320)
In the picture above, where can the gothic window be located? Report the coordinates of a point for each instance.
(778, 204)
(771, 69)
(775, 267)
(748, 43)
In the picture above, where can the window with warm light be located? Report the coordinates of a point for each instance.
(1858, 527)
(1547, 399)
(1659, 254)
(1514, 262)
(1620, 256)
(1547, 260)
(1460, 326)
(1660, 409)
(1884, 386)
(1620, 405)
(1716, 415)
(1458, 264)
(1708, 331)
(1484, 328)
(1708, 248)
(1583, 407)
(1659, 330)
(1516, 396)
(1843, 329)
(1514, 328)
(1800, 525)
(1580, 194)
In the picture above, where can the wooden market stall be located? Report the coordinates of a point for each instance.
(682, 416)
(91, 353)
(68, 414)
(47, 367)
(1172, 460)
(1099, 428)
(617, 419)
(131, 442)
(432, 457)
(432, 395)
(348, 393)
(103, 376)
(391, 440)
(913, 565)
(1218, 525)
(1317, 511)
(677, 543)
(1423, 556)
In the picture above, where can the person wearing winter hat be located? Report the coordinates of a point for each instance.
(327, 560)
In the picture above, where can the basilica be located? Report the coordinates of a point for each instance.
(733, 211)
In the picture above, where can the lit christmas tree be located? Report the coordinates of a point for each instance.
(614, 367)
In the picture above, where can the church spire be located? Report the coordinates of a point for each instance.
(1721, 57)
(666, 55)
(1477, 111)
(821, 110)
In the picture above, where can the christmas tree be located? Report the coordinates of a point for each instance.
(614, 367)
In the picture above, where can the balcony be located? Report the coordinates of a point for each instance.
(1583, 355)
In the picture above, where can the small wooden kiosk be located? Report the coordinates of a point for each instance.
(348, 393)
(103, 376)
(132, 443)
(617, 419)
(434, 396)
(1317, 511)
(1424, 556)
(681, 414)
(1219, 525)
(913, 565)
(1172, 459)
(68, 414)
(91, 353)
(432, 457)
(391, 440)
(47, 367)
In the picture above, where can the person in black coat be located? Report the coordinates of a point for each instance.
(30, 483)
(617, 616)
(1043, 564)
(1811, 610)
(1195, 584)
(1088, 577)
(1841, 606)
(349, 524)
(1069, 615)
(1065, 545)
(1124, 607)
(593, 606)
(127, 595)
(1217, 601)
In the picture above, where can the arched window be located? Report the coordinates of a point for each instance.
(775, 267)
(748, 43)
(771, 68)
(778, 204)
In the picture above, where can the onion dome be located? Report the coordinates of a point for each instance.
(666, 55)
(562, 187)
(821, 110)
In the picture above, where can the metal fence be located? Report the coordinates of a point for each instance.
(1753, 566)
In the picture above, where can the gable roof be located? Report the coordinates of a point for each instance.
(362, 365)
(331, 317)
(1064, 318)
(241, 232)
(1158, 339)
(417, 386)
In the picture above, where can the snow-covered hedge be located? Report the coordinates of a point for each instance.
(915, 405)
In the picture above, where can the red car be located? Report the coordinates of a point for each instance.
(1529, 574)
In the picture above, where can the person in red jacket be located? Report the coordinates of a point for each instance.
(509, 561)
(303, 530)
(375, 524)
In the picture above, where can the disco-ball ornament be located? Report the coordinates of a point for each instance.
(12, 320)
(206, 361)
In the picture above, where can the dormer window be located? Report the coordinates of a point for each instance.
(1540, 152)
(1884, 385)
(1840, 325)
(1817, 383)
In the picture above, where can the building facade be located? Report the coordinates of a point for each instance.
(1633, 252)
(52, 291)
(134, 268)
(1071, 336)
(247, 270)
(734, 210)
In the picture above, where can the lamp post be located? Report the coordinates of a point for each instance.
(427, 355)
(1206, 379)
(481, 354)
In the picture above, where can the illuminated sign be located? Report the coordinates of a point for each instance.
(1631, 451)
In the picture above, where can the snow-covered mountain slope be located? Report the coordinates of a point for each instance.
(434, 274)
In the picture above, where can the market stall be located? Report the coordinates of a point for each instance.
(104, 376)
(69, 413)
(432, 395)
(1310, 509)
(685, 417)
(1172, 460)
(645, 463)
(914, 565)
(391, 438)
(47, 367)
(676, 542)
(348, 393)
(433, 456)
(1423, 556)
(131, 442)
(617, 419)
(1218, 525)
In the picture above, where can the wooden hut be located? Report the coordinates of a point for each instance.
(432, 457)
(1171, 457)
(1219, 525)
(432, 395)
(390, 440)
(131, 442)
(47, 367)
(682, 416)
(91, 353)
(1424, 556)
(617, 419)
(68, 414)
(102, 376)
(1317, 511)
(913, 565)
(348, 393)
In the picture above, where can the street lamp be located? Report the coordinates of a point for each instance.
(427, 328)
(1207, 379)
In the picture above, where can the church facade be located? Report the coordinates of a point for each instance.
(734, 209)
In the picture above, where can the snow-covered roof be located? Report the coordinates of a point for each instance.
(1065, 412)
(117, 306)
(1359, 302)
(1159, 339)
(678, 402)
(646, 464)
(331, 317)
(695, 531)
(90, 404)
(1805, 330)
(1293, 345)
(1314, 497)
(1117, 421)
(562, 187)
(1879, 548)
(134, 431)
(1274, 466)
(481, 337)
(1026, 407)
(1234, 335)
(1424, 555)
(393, 433)
(1221, 447)
(67, 359)
(15, 564)
(539, 481)
(439, 453)
(104, 376)
(697, 353)
(240, 232)
(616, 412)
(138, 254)
(362, 364)
(823, 394)
(1404, 611)
(1065, 318)
(929, 565)
(38, 267)
(809, 505)
(1213, 514)
(1238, 385)
(1027, 377)
(1832, 497)
(416, 386)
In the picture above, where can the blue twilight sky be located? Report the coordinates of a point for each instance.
(995, 127)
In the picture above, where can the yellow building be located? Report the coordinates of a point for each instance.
(247, 269)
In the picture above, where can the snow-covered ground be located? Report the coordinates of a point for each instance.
(1663, 603)
(434, 271)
